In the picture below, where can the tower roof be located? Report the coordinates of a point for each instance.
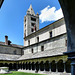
(30, 10)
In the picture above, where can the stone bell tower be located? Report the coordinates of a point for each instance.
(31, 22)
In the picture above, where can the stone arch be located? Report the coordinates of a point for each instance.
(19, 65)
(29, 65)
(60, 66)
(14, 66)
(53, 66)
(26, 66)
(37, 66)
(47, 66)
(68, 66)
(1, 64)
(10, 66)
(33, 66)
(42, 66)
(23, 66)
(6, 65)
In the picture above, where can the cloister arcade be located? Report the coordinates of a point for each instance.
(59, 64)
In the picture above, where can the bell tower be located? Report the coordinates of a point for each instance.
(31, 22)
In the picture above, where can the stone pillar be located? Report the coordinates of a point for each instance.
(56, 67)
(50, 66)
(73, 68)
(16, 66)
(44, 66)
(39, 67)
(13, 66)
(34, 66)
(64, 67)
(68, 7)
(25, 66)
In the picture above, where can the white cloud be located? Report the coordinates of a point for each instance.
(50, 14)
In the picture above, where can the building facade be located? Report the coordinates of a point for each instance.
(43, 48)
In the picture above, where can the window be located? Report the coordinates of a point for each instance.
(32, 50)
(15, 52)
(33, 19)
(25, 20)
(66, 43)
(32, 30)
(25, 25)
(33, 24)
(42, 48)
(50, 34)
(28, 42)
(37, 39)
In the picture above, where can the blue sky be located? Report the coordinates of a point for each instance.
(12, 15)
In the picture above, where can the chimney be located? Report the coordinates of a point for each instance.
(6, 40)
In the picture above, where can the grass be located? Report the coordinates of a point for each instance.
(21, 73)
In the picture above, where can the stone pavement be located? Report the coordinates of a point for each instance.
(45, 72)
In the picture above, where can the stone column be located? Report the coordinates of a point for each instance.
(44, 66)
(16, 66)
(68, 7)
(72, 68)
(12, 66)
(50, 66)
(56, 67)
(64, 67)
(39, 66)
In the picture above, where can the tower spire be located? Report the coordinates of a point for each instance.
(30, 6)
(30, 10)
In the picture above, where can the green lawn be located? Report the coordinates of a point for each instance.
(21, 73)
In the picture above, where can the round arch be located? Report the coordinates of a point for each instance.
(68, 66)
(53, 66)
(47, 66)
(37, 66)
(33, 66)
(60, 66)
(29, 65)
(42, 66)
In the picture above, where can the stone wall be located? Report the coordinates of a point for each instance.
(56, 28)
(10, 50)
(54, 43)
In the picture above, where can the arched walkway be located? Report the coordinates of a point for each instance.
(42, 66)
(23, 66)
(53, 66)
(68, 66)
(14, 66)
(37, 66)
(60, 66)
(1, 64)
(10, 66)
(33, 66)
(30, 66)
(47, 66)
(27, 66)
